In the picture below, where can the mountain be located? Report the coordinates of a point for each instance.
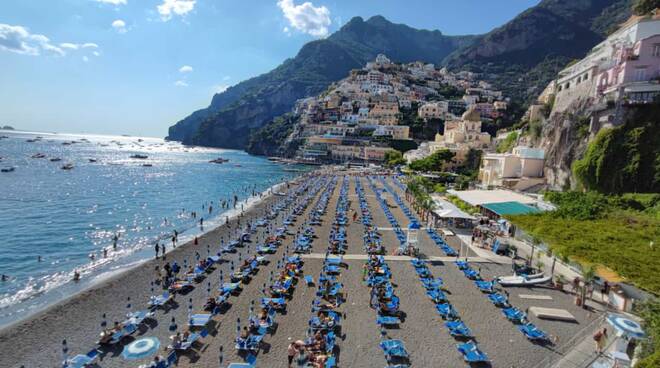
(233, 114)
(524, 55)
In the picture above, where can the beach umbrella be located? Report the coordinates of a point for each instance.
(65, 352)
(185, 264)
(141, 348)
(208, 288)
(104, 321)
(221, 358)
(128, 303)
(626, 326)
(173, 326)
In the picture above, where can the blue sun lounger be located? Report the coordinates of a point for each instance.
(437, 296)
(160, 300)
(471, 274)
(387, 320)
(309, 280)
(431, 283)
(471, 353)
(137, 317)
(485, 286)
(462, 264)
(192, 338)
(275, 303)
(514, 314)
(458, 329)
(199, 320)
(124, 332)
(533, 333)
(229, 287)
(446, 311)
(393, 349)
(250, 344)
(498, 299)
(80, 361)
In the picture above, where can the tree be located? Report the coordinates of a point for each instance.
(642, 7)
(588, 276)
(434, 162)
(394, 158)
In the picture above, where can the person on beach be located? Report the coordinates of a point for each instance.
(292, 351)
(115, 238)
(601, 338)
(162, 249)
(76, 275)
(157, 247)
(195, 242)
(173, 241)
(201, 222)
(105, 253)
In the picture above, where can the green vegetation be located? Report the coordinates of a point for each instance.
(464, 206)
(403, 145)
(394, 158)
(434, 162)
(419, 128)
(642, 7)
(268, 139)
(626, 158)
(614, 231)
(420, 188)
(650, 312)
(507, 143)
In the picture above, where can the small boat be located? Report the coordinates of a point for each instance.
(67, 167)
(31, 140)
(7, 169)
(147, 165)
(66, 143)
(522, 281)
(92, 160)
(219, 160)
(55, 159)
(138, 156)
(38, 155)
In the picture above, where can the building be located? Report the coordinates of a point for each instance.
(386, 113)
(433, 110)
(395, 131)
(519, 170)
(467, 131)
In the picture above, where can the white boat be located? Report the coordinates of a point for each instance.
(522, 280)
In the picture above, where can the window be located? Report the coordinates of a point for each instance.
(656, 50)
(640, 74)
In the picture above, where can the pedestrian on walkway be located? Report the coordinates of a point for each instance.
(601, 338)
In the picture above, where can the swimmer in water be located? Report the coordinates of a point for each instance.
(39, 259)
(4, 277)
(76, 275)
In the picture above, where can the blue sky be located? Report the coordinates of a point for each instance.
(137, 66)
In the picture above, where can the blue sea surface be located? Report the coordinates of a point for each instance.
(67, 216)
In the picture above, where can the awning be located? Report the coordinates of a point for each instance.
(446, 209)
(510, 208)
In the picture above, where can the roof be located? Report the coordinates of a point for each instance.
(478, 197)
(446, 209)
(510, 208)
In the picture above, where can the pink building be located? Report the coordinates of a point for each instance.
(634, 72)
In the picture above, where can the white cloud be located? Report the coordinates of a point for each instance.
(119, 26)
(19, 40)
(76, 46)
(185, 69)
(170, 8)
(306, 17)
(226, 78)
(112, 2)
(96, 53)
(181, 83)
(85, 58)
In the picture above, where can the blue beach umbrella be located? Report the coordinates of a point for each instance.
(141, 348)
(173, 326)
(626, 326)
(104, 320)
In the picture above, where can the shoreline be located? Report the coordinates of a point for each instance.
(99, 280)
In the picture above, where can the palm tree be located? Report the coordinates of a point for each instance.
(535, 242)
(588, 276)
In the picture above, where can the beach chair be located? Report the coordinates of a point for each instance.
(485, 286)
(498, 300)
(533, 333)
(393, 349)
(331, 362)
(471, 353)
(461, 264)
(437, 296)
(446, 311)
(514, 314)
(387, 320)
(192, 338)
(199, 320)
(138, 317)
(458, 329)
(127, 330)
(229, 288)
(471, 274)
(160, 300)
(252, 343)
(274, 303)
(309, 280)
(80, 360)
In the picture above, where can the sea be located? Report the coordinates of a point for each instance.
(70, 195)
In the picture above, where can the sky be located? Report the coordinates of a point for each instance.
(138, 66)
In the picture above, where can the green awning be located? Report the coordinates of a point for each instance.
(510, 208)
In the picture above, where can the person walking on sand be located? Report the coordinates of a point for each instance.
(157, 247)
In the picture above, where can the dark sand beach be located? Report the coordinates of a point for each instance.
(37, 341)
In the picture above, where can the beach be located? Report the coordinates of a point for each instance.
(37, 341)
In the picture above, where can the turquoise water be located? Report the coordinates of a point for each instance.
(67, 216)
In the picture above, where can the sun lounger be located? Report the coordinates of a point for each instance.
(252, 343)
(498, 299)
(532, 332)
(387, 320)
(471, 353)
(275, 303)
(229, 287)
(160, 300)
(471, 274)
(437, 296)
(458, 329)
(80, 361)
(485, 286)
(393, 349)
(309, 280)
(127, 330)
(192, 338)
(199, 320)
(446, 311)
(514, 315)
